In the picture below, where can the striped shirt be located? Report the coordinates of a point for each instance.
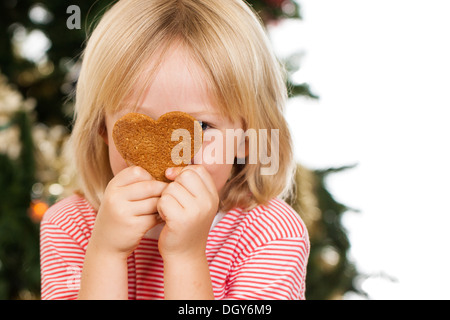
(258, 254)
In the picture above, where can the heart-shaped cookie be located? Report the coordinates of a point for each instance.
(171, 141)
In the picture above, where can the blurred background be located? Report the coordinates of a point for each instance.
(369, 108)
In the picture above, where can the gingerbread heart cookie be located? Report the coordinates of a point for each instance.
(171, 141)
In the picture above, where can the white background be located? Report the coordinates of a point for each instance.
(382, 71)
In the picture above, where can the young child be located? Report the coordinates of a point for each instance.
(219, 230)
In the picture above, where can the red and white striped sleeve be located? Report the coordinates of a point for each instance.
(63, 238)
(275, 270)
(267, 249)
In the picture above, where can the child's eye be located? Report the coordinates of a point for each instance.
(204, 125)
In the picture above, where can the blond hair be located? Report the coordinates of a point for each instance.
(227, 40)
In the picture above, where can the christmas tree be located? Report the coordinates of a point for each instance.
(34, 129)
(19, 250)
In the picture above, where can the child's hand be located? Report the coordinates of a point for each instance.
(127, 212)
(188, 206)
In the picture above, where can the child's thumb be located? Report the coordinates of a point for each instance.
(172, 173)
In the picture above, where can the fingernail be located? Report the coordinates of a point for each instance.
(173, 172)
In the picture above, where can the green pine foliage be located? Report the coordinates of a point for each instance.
(330, 272)
(19, 235)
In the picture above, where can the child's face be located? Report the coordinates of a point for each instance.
(179, 86)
